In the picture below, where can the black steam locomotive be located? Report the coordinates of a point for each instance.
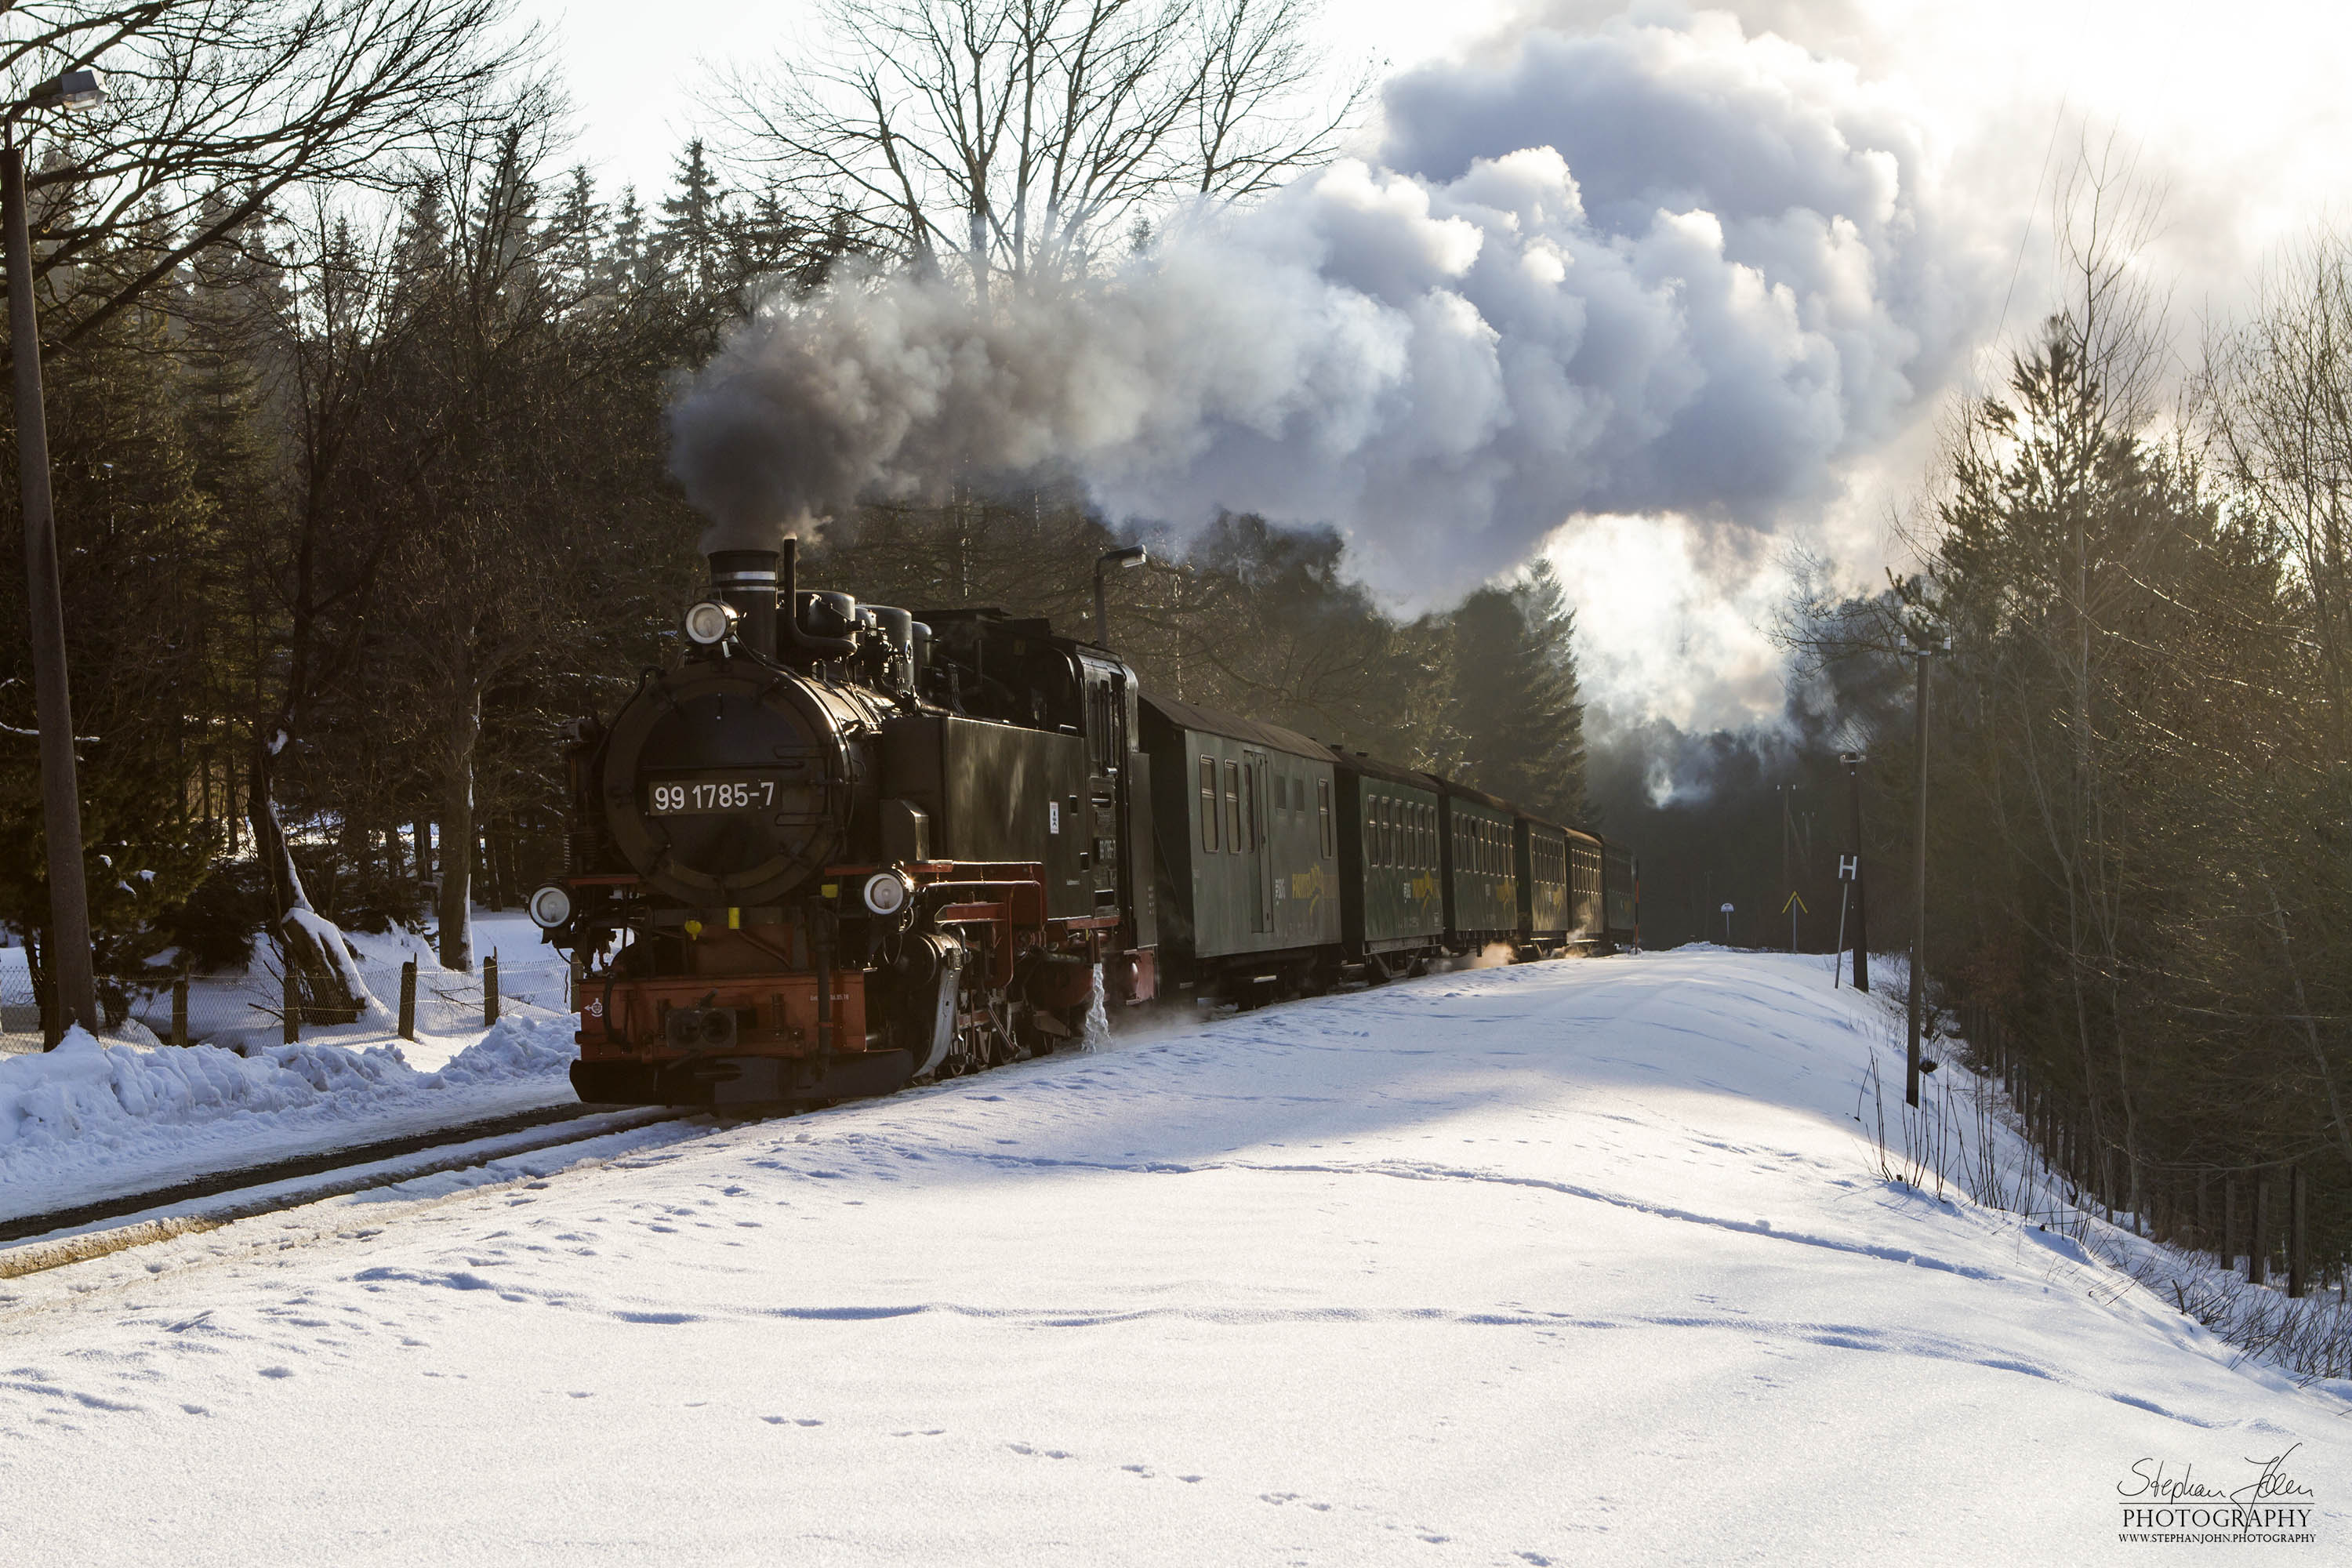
(841, 846)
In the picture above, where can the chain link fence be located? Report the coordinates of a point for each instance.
(251, 1008)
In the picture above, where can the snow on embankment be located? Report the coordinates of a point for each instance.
(88, 1120)
(1582, 1263)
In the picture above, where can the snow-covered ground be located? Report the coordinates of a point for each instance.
(92, 1120)
(1568, 1263)
(244, 1006)
(99, 1120)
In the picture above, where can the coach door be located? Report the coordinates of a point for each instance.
(1255, 787)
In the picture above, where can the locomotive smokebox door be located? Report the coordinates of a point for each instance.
(727, 789)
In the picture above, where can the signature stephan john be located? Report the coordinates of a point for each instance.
(2149, 1482)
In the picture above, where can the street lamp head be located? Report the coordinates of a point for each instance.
(1131, 555)
(1852, 759)
(81, 89)
(73, 90)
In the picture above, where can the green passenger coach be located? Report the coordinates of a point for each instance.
(1482, 883)
(1391, 864)
(1246, 824)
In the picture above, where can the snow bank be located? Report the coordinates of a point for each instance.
(90, 1118)
(1572, 1263)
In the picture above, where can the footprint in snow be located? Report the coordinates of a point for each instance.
(276, 1372)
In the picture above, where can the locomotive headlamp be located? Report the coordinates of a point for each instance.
(711, 622)
(886, 893)
(550, 907)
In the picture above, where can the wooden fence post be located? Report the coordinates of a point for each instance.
(408, 1000)
(2296, 1266)
(2257, 1248)
(2229, 1249)
(293, 999)
(490, 989)
(180, 1010)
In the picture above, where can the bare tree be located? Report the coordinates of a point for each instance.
(215, 108)
(2278, 402)
(1016, 139)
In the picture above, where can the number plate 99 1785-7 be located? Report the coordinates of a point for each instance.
(709, 793)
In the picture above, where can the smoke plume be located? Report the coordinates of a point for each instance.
(1663, 266)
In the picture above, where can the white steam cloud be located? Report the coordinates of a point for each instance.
(1661, 267)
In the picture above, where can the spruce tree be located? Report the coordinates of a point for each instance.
(1513, 722)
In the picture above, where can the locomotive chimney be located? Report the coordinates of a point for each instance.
(746, 580)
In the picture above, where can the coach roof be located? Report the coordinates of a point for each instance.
(1209, 722)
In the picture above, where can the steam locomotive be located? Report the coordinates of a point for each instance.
(842, 846)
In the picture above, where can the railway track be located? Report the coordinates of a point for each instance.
(225, 1197)
(30, 1243)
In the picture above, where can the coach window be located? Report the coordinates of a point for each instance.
(1209, 804)
(1232, 808)
(1323, 816)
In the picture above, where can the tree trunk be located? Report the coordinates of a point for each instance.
(331, 987)
(458, 740)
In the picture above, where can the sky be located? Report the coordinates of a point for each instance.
(1935, 135)
(638, 95)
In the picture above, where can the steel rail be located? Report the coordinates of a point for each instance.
(338, 1176)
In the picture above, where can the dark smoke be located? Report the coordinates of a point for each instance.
(1661, 267)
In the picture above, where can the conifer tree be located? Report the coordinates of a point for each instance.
(1515, 725)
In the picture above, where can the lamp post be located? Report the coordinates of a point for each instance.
(1912, 1066)
(1853, 761)
(73, 984)
(1110, 559)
